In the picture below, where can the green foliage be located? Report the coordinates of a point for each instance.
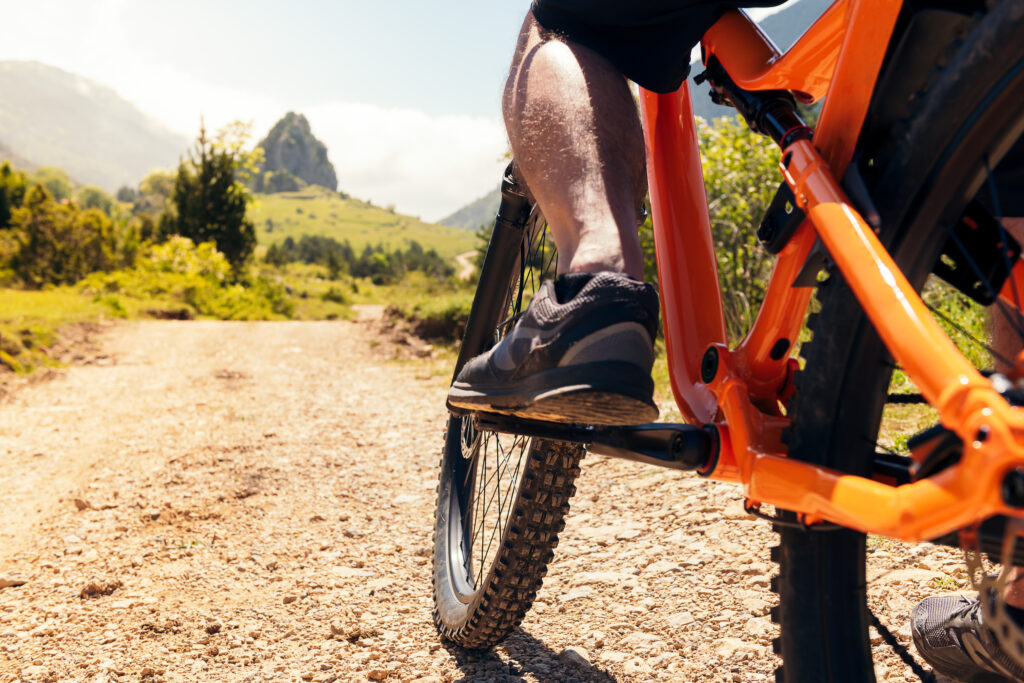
(210, 203)
(55, 180)
(740, 176)
(376, 263)
(92, 197)
(273, 182)
(179, 275)
(434, 310)
(12, 192)
(60, 243)
(126, 194)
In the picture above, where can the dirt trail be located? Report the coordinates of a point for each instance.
(253, 501)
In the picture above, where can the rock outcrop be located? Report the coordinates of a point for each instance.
(291, 146)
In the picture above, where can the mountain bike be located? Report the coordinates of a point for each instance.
(889, 214)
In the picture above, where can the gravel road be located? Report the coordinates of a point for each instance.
(212, 501)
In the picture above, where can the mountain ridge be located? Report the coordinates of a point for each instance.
(52, 117)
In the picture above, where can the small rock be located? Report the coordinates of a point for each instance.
(576, 594)
(213, 627)
(679, 619)
(35, 673)
(662, 567)
(597, 638)
(82, 504)
(377, 675)
(575, 655)
(727, 648)
(97, 587)
(758, 627)
(613, 656)
(10, 581)
(289, 599)
(350, 572)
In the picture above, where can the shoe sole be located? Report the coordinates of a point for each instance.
(605, 393)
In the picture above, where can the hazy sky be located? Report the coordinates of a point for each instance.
(405, 93)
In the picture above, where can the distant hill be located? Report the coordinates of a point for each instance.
(316, 211)
(290, 147)
(475, 214)
(783, 28)
(49, 117)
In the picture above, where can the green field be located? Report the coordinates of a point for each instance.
(315, 211)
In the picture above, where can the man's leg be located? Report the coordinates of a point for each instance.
(577, 140)
(583, 350)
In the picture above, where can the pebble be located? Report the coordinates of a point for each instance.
(575, 655)
(98, 587)
(12, 580)
(35, 673)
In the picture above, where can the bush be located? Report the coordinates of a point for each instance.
(197, 279)
(437, 318)
(59, 243)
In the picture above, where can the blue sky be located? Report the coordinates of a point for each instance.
(405, 93)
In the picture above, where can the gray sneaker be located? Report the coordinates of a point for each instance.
(581, 352)
(950, 635)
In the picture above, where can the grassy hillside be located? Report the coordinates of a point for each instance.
(316, 211)
(480, 212)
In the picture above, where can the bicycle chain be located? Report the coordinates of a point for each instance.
(990, 587)
(901, 651)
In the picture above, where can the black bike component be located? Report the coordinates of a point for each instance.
(709, 365)
(892, 469)
(780, 220)
(769, 112)
(502, 252)
(787, 522)
(779, 349)
(1013, 488)
(902, 652)
(853, 183)
(817, 260)
(933, 450)
(676, 446)
(991, 533)
(977, 256)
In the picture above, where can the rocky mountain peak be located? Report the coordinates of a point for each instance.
(291, 146)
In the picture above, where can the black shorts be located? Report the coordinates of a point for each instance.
(648, 40)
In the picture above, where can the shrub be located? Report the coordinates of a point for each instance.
(59, 243)
(189, 279)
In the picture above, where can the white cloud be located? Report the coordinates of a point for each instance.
(427, 165)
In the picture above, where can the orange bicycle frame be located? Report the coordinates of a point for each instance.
(839, 58)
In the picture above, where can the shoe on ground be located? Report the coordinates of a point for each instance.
(948, 632)
(582, 352)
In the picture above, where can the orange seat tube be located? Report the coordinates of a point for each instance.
(687, 272)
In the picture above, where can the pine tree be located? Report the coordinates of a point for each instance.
(210, 202)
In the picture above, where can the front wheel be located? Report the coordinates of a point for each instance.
(502, 499)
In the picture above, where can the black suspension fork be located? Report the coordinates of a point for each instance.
(503, 255)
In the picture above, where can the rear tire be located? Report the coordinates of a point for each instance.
(921, 175)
